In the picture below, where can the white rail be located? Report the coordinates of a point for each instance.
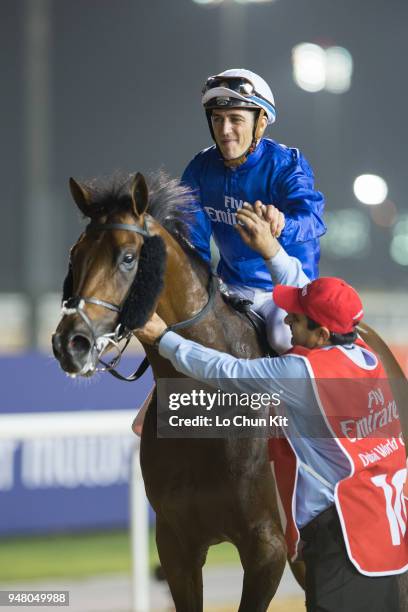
(26, 426)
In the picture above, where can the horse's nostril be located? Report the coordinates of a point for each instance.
(79, 345)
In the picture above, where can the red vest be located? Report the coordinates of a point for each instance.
(359, 409)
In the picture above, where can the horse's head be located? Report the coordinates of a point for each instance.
(115, 275)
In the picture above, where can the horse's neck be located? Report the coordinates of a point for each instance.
(184, 293)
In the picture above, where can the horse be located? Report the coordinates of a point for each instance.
(134, 258)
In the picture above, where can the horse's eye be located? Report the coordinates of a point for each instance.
(128, 258)
(128, 261)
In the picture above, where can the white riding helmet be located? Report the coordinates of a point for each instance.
(239, 88)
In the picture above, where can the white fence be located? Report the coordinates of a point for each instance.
(28, 426)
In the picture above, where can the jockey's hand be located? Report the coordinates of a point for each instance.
(270, 213)
(255, 231)
(153, 329)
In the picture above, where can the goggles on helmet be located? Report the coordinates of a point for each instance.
(237, 84)
(241, 86)
(244, 90)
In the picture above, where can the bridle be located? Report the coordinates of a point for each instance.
(76, 305)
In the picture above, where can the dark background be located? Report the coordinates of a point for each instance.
(124, 93)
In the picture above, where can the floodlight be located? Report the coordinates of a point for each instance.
(339, 69)
(399, 242)
(370, 189)
(315, 68)
(309, 66)
(208, 1)
(385, 214)
(354, 241)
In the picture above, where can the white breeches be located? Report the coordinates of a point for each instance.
(278, 333)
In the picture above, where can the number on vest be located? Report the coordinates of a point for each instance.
(396, 511)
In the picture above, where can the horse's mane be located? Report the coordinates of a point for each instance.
(170, 202)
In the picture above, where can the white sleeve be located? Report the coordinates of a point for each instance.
(221, 370)
(286, 270)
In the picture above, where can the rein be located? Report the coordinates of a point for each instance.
(212, 286)
(75, 305)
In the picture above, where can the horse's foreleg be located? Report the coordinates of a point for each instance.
(182, 566)
(263, 557)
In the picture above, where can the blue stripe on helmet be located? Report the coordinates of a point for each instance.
(264, 104)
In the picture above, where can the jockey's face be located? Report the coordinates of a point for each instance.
(233, 131)
(302, 335)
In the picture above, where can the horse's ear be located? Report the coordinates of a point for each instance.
(139, 194)
(82, 197)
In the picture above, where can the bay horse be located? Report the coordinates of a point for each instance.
(132, 259)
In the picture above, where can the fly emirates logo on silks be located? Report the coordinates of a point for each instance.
(380, 415)
(227, 216)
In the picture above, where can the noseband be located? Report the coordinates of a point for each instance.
(75, 305)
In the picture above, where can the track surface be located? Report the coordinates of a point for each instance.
(222, 586)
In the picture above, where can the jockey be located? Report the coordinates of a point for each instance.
(245, 167)
(241, 167)
(340, 463)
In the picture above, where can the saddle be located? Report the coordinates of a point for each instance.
(243, 306)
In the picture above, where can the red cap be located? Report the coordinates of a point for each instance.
(329, 301)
